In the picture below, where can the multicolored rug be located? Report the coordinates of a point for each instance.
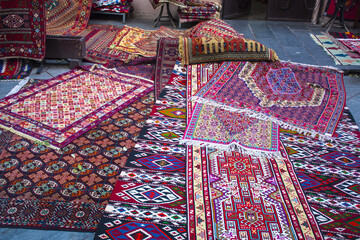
(15, 68)
(213, 28)
(149, 199)
(209, 125)
(236, 196)
(309, 99)
(329, 176)
(194, 50)
(22, 29)
(68, 189)
(67, 17)
(335, 51)
(57, 111)
(353, 44)
(166, 57)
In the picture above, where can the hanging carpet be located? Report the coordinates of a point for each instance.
(59, 110)
(309, 99)
(22, 29)
(67, 17)
(68, 188)
(15, 68)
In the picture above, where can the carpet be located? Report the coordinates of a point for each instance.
(68, 189)
(236, 196)
(213, 28)
(335, 51)
(328, 173)
(14, 68)
(353, 44)
(67, 17)
(149, 199)
(167, 55)
(301, 97)
(22, 29)
(57, 111)
(195, 50)
(209, 125)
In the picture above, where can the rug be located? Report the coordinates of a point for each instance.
(57, 111)
(149, 199)
(167, 55)
(306, 98)
(22, 29)
(209, 125)
(67, 17)
(343, 35)
(14, 68)
(328, 173)
(195, 50)
(235, 196)
(213, 28)
(339, 55)
(353, 44)
(68, 189)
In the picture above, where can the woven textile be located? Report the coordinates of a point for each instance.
(124, 7)
(217, 49)
(67, 189)
(292, 95)
(99, 3)
(67, 17)
(350, 10)
(22, 29)
(149, 199)
(14, 68)
(167, 55)
(236, 196)
(59, 110)
(98, 39)
(353, 44)
(342, 35)
(329, 176)
(158, 3)
(213, 28)
(332, 49)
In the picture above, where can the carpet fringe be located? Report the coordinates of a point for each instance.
(261, 116)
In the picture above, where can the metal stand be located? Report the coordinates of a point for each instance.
(168, 17)
(340, 7)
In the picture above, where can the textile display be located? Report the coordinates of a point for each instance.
(158, 3)
(98, 39)
(167, 55)
(235, 196)
(67, 17)
(332, 49)
(99, 3)
(213, 28)
(142, 70)
(14, 68)
(149, 198)
(195, 50)
(351, 7)
(305, 98)
(123, 7)
(67, 189)
(329, 176)
(22, 29)
(353, 44)
(342, 35)
(57, 111)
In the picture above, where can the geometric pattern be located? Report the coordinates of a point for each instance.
(149, 197)
(70, 187)
(246, 84)
(329, 176)
(22, 29)
(44, 111)
(353, 44)
(14, 68)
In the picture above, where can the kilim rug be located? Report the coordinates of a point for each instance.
(213, 28)
(22, 29)
(335, 51)
(66, 17)
(329, 175)
(166, 57)
(15, 68)
(353, 44)
(67, 189)
(57, 111)
(209, 125)
(149, 199)
(304, 94)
